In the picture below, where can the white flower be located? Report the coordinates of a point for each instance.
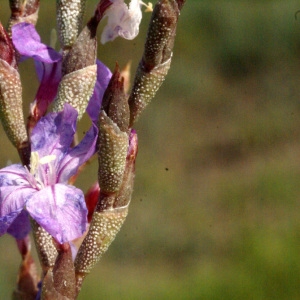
(123, 21)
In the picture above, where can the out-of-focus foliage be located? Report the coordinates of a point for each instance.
(215, 212)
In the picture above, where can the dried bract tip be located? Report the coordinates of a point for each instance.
(126, 74)
(115, 102)
(113, 145)
(69, 19)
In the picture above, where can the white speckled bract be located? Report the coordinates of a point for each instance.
(113, 145)
(11, 110)
(76, 89)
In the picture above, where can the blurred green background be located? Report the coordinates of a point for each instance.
(215, 210)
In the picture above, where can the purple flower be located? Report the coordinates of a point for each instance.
(48, 67)
(43, 192)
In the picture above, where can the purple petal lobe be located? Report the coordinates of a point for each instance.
(28, 43)
(54, 133)
(60, 210)
(12, 201)
(13, 198)
(49, 76)
(78, 155)
(13, 175)
(122, 21)
(7, 220)
(103, 77)
(21, 226)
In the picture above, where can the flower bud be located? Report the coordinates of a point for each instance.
(123, 196)
(113, 145)
(156, 59)
(115, 103)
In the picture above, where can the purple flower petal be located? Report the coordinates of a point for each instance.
(78, 155)
(13, 198)
(12, 201)
(13, 175)
(21, 226)
(15, 191)
(47, 61)
(122, 20)
(27, 41)
(103, 78)
(60, 210)
(7, 220)
(54, 133)
(49, 76)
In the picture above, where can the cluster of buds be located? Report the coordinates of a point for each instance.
(71, 230)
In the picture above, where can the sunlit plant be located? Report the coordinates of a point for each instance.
(71, 230)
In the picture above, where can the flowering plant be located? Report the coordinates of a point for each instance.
(72, 231)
